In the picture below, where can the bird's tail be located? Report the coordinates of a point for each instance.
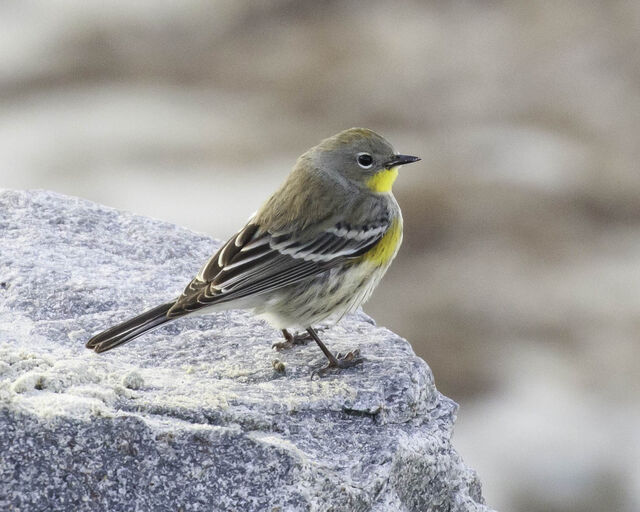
(130, 329)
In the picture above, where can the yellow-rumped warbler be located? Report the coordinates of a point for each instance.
(312, 253)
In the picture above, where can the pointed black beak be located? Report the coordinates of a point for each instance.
(401, 160)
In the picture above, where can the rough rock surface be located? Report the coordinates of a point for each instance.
(193, 416)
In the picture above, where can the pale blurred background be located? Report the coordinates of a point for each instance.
(519, 278)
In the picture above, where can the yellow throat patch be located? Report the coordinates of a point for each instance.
(383, 180)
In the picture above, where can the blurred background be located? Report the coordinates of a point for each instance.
(519, 278)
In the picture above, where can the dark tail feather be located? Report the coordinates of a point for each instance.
(126, 331)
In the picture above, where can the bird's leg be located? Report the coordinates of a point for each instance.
(291, 340)
(347, 361)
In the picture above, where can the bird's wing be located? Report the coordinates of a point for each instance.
(255, 261)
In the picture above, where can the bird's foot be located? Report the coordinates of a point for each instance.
(340, 362)
(291, 340)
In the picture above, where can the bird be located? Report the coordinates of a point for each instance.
(313, 252)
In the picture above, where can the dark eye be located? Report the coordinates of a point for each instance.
(365, 160)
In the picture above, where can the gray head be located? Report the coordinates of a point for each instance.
(361, 156)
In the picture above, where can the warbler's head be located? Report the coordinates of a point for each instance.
(361, 156)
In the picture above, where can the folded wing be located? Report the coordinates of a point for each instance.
(255, 261)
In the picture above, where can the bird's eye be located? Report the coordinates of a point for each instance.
(365, 160)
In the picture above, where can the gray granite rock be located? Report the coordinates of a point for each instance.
(194, 416)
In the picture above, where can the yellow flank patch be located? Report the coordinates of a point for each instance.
(383, 180)
(386, 248)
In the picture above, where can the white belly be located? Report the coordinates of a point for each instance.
(324, 299)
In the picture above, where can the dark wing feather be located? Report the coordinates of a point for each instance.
(256, 261)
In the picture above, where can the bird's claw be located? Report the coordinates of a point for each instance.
(348, 360)
(291, 341)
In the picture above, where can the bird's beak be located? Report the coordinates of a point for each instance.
(401, 160)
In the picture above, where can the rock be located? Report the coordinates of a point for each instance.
(195, 415)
